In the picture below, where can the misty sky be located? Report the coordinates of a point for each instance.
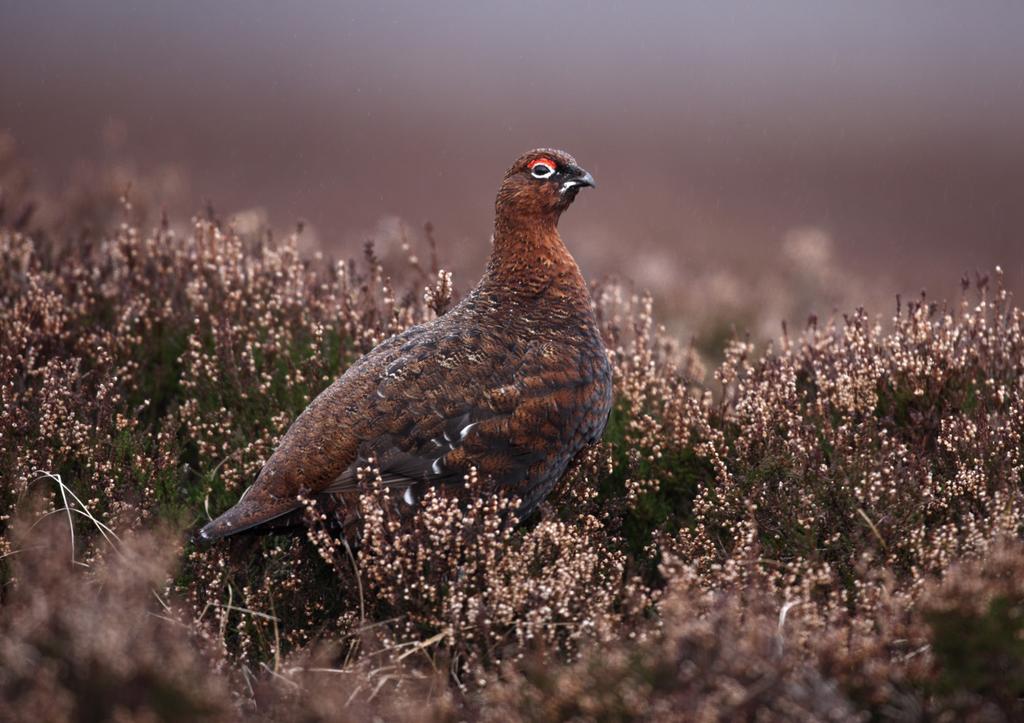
(712, 128)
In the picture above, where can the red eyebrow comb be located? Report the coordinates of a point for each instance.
(546, 161)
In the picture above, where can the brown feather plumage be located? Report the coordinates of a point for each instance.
(514, 380)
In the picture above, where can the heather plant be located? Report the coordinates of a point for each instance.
(824, 527)
(97, 639)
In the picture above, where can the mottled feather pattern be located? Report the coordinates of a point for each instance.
(513, 381)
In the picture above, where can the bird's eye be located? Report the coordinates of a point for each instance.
(542, 168)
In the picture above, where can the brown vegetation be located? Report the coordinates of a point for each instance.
(826, 528)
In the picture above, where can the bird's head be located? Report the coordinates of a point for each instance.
(541, 184)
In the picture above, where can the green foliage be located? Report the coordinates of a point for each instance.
(667, 509)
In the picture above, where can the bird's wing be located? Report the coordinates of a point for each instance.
(429, 404)
(451, 402)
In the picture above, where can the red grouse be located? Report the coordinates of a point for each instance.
(514, 380)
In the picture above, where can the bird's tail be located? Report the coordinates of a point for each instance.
(252, 509)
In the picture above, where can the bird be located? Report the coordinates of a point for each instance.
(514, 380)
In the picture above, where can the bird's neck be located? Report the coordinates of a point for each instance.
(529, 258)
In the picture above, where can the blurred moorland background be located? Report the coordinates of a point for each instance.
(755, 163)
(208, 213)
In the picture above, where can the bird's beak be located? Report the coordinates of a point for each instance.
(583, 178)
(578, 178)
